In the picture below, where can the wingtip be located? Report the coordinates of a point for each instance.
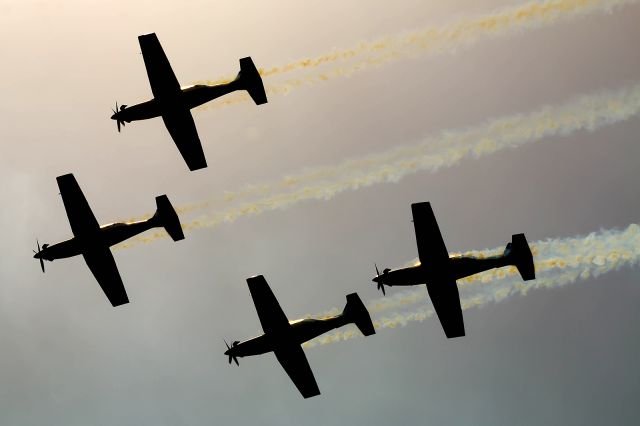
(316, 392)
(65, 176)
(148, 35)
(255, 277)
(117, 303)
(193, 168)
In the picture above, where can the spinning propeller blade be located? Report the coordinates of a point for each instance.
(39, 258)
(115, 112)
(380, 282)
(231, 357)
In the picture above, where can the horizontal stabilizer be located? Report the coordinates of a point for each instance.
(250, 79)
(356, 312)
(168, 218)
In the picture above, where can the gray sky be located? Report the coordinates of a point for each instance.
(556, 356)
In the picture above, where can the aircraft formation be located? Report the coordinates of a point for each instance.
(281, 336)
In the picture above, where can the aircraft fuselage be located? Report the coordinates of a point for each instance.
(106, 236)
(189, 97)
(459, 267)
(298, 332)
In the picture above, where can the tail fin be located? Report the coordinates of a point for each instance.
(168, 218)
(520, 253)
(250, 80)
(356, 312)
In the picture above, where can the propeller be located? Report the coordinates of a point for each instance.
(231, 357)
(380, 282)
(38, 252)
(115, 112)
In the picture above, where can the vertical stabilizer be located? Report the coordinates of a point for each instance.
(356, 312)
(168, 218)
(521, 256)
(250, 80)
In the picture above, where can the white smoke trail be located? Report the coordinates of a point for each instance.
(609, 249)
(558, 262)
(588, 112)
(436, 39)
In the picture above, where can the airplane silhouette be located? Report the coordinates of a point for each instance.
(92, 241)
(439, 271)
(284, 337)
(173, 103)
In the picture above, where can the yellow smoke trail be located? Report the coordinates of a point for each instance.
(436, 39)
(609, 249)
(585, 113)
(588, 112)
(558, 262)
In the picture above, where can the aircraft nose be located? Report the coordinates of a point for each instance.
(113, 117)
(36, 256)
(375, 279)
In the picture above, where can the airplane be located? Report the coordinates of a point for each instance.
(439, 271)
(92, 241)
(284, 337)
(173, 103)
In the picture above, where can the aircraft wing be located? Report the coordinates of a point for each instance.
(161, 77)
(444, 295)
(80, 216)
(104, 268)
(431, 248)
(269, 311)
(294, 362)
(441, 285)
(182, 129)
(273, 319)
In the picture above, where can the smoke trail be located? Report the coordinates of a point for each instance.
(437, 39)
(588, 112)
(585, 113)
(558, 262)
(403, 319)
(609, 249)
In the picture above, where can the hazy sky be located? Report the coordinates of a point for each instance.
(555, 356)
